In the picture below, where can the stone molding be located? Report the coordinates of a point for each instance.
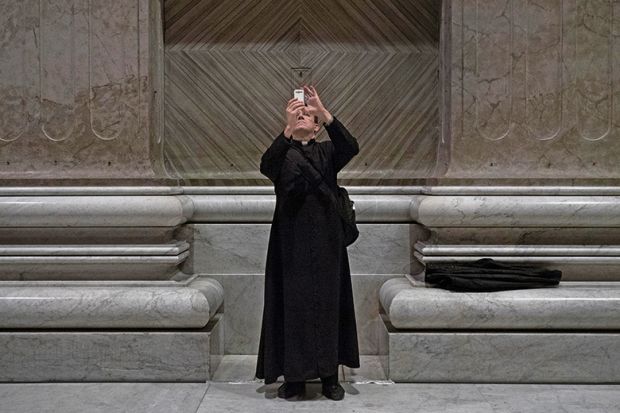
(109, 304)
(431, 206)
(571, 306)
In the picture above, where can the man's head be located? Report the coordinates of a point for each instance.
(306, 125)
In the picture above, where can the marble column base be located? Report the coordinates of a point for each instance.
(502, 357)
(91, 261)
(113, 355)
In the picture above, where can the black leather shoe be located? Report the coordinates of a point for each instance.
(333, 391)
(291, 389)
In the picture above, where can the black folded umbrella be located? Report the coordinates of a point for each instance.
(489, 275)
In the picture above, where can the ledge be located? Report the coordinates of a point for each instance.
(149, 250)
(89, 211)
(516, 211)
(260, 208)
(109, 306)
(432, 206)
(571, 306)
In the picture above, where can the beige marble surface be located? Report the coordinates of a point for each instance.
(533, 85)
(75, 89)
(257, 397)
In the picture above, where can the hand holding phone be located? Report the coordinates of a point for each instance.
(293, 108)
(299, 95)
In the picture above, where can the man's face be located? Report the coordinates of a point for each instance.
(305, 123)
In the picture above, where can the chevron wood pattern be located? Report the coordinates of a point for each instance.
(229, 70)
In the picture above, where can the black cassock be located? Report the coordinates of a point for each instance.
(308, 325)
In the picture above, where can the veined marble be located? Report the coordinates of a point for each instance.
(103, 267)
(269, 190)
(520, 258)
(85, 260)
(243, 303)
(571, 306)
(102, 307)
(211, 289)
(429, 250)
(516, 211)
(89, 190)
(514, 236)
(503, 357)
(524, 189)
(171, 249)
(76, 89)
(576, 262)
(241, 248)
(185, 355)
(532, 90)
(89, 211)
(259, 208)
(520, 190)
(230, 248)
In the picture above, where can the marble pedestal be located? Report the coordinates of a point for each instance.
(185, 355)
(568, 334)
(502, 356)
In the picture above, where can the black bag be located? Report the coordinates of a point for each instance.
(489, 275)
(346, 210)
(344, 206)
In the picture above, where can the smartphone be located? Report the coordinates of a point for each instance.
(299, 95)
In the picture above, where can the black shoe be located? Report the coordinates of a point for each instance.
(333, 391)
(291, 389)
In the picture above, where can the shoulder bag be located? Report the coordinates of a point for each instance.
(344, 206)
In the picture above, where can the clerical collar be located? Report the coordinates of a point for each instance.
(303, 143)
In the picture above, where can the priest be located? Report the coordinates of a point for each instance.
(308, 323)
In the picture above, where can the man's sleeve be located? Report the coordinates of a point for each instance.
(273, 158)
(345, 145)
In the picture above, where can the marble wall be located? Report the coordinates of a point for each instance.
(234, 255)
(78, 85)
(511, 89)
(534, 85)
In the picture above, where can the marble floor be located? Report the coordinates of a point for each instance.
(233, 390)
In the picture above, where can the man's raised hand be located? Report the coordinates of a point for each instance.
(293, 109)
(315, 106)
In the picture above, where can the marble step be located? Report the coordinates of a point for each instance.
(463, 356)
(482, 211)
(565, 251)
(577, 262)
(516, 259)
(251, 207)
(188, 355)
(109, 306)
(94, 211)
(571, 306)
(170, 249)
(91, 261)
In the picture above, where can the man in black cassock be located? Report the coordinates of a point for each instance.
(308, 325)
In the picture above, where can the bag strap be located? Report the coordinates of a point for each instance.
(323, 183)
(308, 159)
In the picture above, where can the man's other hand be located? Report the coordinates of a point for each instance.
(315, 106)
